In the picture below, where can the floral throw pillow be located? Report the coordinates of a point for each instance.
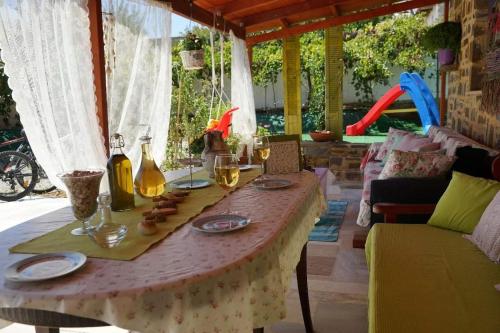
(393, 136)
(416, 164)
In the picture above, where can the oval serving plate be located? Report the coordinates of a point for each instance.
(220, 223)
(45, 266)
(272, 184)
(245, 167)
(186, 184)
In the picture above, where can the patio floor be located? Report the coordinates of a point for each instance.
(338, 277)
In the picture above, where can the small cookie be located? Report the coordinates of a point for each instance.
(147, 228)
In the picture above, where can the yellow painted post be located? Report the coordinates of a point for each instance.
(334, 70)
(291, 82)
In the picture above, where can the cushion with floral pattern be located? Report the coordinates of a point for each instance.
(416, 164)
(392, 136)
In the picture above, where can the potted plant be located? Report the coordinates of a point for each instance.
(445, 38)
(193, 55)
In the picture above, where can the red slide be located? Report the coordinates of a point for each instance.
(375, 112)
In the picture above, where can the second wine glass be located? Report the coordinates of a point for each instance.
(227, 172)
(261, 151)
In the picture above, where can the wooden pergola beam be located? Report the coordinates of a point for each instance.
(98, 60)
(191, 11)
(339, 20)
(243, 5)
(283, 12)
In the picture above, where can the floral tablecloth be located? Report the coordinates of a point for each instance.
(191, 282)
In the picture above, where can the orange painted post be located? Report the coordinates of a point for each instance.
(97, 45)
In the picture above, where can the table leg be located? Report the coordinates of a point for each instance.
(40, 329)
(303, 290)
(258, 330)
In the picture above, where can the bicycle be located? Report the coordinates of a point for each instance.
(20, 168)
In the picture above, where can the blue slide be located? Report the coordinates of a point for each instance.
(426, 106)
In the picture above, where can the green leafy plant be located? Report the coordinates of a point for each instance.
(446, 35)
(233, 142)
(192, 42)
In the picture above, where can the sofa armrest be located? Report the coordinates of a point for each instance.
(407, 191)
(392, 210)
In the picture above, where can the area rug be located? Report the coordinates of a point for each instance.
(327, 228)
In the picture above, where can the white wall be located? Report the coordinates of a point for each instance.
(349, 95)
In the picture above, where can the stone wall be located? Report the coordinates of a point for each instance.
(465, 86)
(343, 159)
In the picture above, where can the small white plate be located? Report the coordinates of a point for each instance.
(186, 184)
(220, 223)
(245, 167)
(45, 266)
(272, 184)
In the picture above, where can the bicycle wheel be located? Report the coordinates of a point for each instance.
(43, 184)
(15, 169)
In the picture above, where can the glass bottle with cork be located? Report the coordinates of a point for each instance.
(149, 181)
(120, 176)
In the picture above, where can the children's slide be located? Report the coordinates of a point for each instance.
(415, 86)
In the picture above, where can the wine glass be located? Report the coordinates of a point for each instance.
(261, 150)
(83, 189)
(227, 172)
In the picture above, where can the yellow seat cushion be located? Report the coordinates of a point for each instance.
(427, 279)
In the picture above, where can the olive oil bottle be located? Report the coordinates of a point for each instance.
(149, 181)
(120, 176)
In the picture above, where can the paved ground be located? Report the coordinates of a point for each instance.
(338, 277)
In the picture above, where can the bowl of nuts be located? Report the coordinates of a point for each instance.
(82, 188)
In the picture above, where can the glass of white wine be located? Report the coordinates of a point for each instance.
(261, 150)
(227, 172)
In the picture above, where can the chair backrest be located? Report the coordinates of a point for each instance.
(286, 154)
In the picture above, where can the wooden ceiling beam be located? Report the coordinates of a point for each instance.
(339, 20)
(283, 12)
(238, 6)
(195, 13)
(335, 10)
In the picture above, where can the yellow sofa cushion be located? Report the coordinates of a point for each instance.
(463, 202)
(427, 279)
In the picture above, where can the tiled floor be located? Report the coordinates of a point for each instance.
(338, 282)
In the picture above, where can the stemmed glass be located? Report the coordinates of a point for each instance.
(83, 189)
(261, 150)
(227, 172)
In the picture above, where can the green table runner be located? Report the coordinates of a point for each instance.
(134, 243)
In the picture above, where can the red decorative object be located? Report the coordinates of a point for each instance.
(224, 123)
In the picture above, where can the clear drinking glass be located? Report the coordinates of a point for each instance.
(227, 172)
(261, 150)
(83, 189)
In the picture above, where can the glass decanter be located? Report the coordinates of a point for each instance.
(106, 233)
(121, 183)
(149, 181)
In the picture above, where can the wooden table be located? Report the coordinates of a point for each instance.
(187, 282)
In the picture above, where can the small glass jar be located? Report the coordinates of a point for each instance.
(106, 234)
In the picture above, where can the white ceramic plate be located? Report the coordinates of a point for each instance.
(272, 184)
(45, 266)
(186, 184)
(245, 167)
(220, 223)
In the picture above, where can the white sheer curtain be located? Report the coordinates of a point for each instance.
(46, 49)
(139, 72)
(243, 122)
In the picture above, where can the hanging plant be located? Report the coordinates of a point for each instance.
(193, 56)
(445, 38)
